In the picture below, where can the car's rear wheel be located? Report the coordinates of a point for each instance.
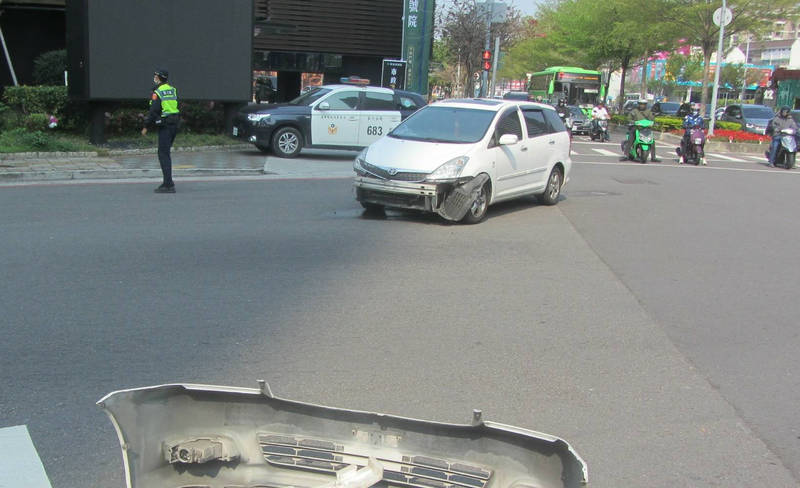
(287, 142)
(553, 189)
(477, 212)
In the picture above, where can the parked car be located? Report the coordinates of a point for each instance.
(342, 116)
(631, 104)
(581, 124)
(457, 157)
(516, 95)
(754, 118)
(666, 108)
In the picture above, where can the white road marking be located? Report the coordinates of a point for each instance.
(19, 462)
(727, 158)
(573, 153)
(605, 152)
(676, 165)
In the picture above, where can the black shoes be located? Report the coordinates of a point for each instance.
(165, 189)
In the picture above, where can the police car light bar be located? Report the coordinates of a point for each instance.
(354, 80)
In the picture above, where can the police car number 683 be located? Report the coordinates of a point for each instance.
(343, 116)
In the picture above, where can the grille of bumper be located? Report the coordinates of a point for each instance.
(383, 173)
(412, 471)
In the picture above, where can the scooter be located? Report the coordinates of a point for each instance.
(694, 152)
(599, 130)
(643, 142)
(787, 149)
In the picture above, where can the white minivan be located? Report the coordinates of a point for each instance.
(457, 157)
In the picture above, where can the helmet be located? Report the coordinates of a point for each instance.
(785, 110)
(562, 102)
(696, 108)
(641, 102)
(162, 73)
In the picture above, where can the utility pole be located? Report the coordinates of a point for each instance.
(724, 18)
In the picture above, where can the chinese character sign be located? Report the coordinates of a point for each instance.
(417, 39)
(394, 74)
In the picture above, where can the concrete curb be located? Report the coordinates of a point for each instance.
(106, 153)
(113, 174)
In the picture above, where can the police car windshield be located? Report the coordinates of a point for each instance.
(445, 124)
(310, 96)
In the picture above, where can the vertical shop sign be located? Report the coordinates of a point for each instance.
(417, 39)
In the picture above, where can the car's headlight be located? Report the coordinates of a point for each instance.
(361, 158)
(257, 118)
(450, 170)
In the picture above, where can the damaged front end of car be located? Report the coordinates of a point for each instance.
(200, 436)
(444, 191)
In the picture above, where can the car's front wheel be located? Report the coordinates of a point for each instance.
(287, 142)
(477, 212)
(553, 189)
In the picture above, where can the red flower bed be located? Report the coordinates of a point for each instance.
(732, 136)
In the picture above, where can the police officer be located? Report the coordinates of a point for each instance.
(164, 115)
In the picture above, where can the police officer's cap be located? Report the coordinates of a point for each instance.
(162, 73)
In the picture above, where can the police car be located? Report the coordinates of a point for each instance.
(345, 116)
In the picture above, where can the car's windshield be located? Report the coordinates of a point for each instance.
(757, 112)
(576, 112)
(310, 96)
(445, 124)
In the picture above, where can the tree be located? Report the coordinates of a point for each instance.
(48, 68)
(694, 20)
(463, 29)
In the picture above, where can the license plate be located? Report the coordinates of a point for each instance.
(235, 131)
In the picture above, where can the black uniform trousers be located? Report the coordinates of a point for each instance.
(167, 131)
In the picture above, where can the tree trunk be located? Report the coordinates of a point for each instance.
(643, 87)
(624, 68)
(706, 72)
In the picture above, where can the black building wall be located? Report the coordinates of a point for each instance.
(29, 32)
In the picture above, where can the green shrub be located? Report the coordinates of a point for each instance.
(719, 124)
(125, 120)
(34, 122)
(667, 124)
(37, 99)
(619, 119)
(24, 140)
(48, 68)
(202, 117)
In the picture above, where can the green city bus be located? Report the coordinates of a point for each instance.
(578, 86)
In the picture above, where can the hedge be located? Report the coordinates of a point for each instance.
(29, 104)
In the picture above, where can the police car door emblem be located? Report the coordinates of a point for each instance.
(392, 171)
(332, 129)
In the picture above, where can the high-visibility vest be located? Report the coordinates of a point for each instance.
(169, 99)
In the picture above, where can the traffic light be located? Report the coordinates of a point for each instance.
(487, 59)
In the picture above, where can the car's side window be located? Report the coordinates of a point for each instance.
(345, 100)
(535, 121)
(554, 122)
(508, 124)
(407, 103)
(378, 101)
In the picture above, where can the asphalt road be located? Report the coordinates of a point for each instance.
(650, 318)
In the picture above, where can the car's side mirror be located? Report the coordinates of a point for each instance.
(324, 106)
(508, 140)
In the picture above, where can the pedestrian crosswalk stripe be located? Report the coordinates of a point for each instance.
(573, 153)
(605, 152)
(727, 158)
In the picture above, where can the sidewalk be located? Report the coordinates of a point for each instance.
(239, 160)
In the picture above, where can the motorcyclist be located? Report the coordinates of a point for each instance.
(599, 112)
(561, 108)
(693, 119)
(639, 113)
(781, 121)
